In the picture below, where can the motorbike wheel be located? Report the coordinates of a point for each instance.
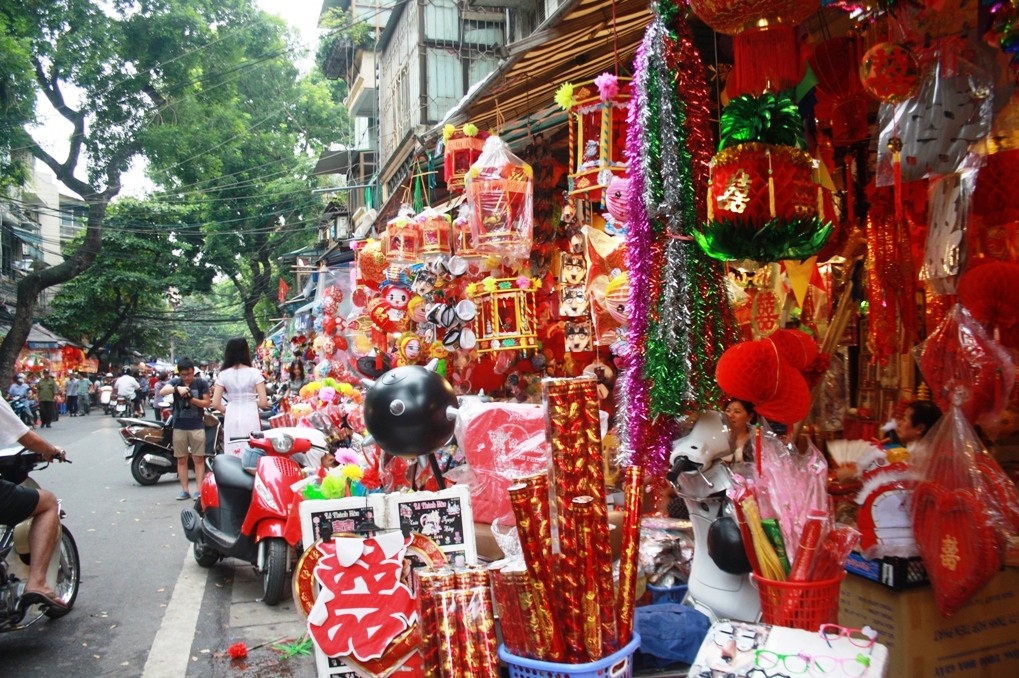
(69, 574)
(274, 579)
(142, 472)
(205, 556)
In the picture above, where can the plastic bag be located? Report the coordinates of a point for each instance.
(948, 211)
(791, 485)
(960, 354)
(956, 521)
(937, 128)
(499, 189)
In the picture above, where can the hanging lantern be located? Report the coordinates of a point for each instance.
(462, 149)
(597, 126)
(463, 239)
(734, 16)
(889, 72)
(506, 316)
(499, 196)
(436, 233)
(403, 238)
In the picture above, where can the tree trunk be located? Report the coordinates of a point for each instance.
(34, 283)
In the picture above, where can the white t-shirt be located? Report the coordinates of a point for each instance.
(11, 426)
(126, 386)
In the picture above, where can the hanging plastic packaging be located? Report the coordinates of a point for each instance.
(499, 190)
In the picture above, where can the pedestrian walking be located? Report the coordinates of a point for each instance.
(47, 388)
(71, 387)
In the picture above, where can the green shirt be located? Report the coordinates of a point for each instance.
(47, 389)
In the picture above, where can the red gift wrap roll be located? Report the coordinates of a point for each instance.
(628, 554)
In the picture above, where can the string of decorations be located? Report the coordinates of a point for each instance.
(681, 321)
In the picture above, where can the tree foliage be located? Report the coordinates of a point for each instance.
(116, 72)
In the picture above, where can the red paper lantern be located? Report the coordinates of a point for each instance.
(371, 263)
(499, 190)
(597, 138)
(436, 233)
(754, 371)
(889, 72)
(460, 152)
(464, 245)
(734, 16)
(795, 347)
(990, 292)
(402, 240)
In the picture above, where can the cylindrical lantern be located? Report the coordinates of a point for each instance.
(402, 241)
(436, 233)
(499, 194)
(765, 203)
(462, 149)
(463, 239)
(507, 319)
(597, 112)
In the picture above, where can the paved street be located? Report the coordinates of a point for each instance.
(145, 608)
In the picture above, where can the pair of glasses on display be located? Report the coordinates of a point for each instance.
(756, 672)
(744, 638)
(817, 664)
(862, 638)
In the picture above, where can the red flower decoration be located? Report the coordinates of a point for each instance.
(237, 651)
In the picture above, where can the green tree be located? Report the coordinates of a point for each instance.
(117, 72)
(120, 301)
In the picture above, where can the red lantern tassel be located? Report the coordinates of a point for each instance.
(767, 59)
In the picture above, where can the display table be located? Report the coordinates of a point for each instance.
(982, 639)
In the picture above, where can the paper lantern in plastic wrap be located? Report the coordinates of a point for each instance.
(402, 239)
(734, 16)
(436, 234)
(990, 292)
(462, 149)
(890, 72)
(765, 203)
(499, 189)
(597, 133)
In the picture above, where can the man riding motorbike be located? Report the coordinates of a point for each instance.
(18, 503)
(127, 387)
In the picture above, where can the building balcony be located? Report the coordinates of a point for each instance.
(361, 97)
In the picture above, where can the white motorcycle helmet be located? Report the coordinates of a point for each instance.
(707, 442)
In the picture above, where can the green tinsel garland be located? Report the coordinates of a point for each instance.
(776, 240)
(768, 119)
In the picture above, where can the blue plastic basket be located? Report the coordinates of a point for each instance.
(617, 665)
(667, 594)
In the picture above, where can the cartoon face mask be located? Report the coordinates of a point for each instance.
(397, 297)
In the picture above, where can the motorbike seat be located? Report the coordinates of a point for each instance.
(229, 473)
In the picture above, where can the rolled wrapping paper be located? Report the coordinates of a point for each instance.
(534, 530)
(508, 603)
(602, 560)
(450, 641)
(570, 589)
(429, 583)
(521, 583)
(485, 643)
(831, 558)
(590, 609)
(628, 554)
(810, 539)
(468, 654)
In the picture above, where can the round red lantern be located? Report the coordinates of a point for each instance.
(889, 72)
(371, 263)
(734, 16)
(765, 203)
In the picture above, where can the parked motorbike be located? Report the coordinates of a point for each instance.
(242, 512)
(22, 407)
(64, 573)
(106, 398)
(148, 445)
(719, 584)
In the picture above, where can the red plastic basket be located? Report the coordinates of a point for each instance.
(799, 604)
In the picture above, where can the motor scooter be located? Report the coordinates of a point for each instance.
(64, 573)
(120, 407)
(106, 398)
(22, 407)
(241, 514)
(148, 445)
(719, 584)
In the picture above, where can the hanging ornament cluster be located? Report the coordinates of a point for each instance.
(765, 200)
(597, 132)
(499, 189)
(506, 316)
(679, 313)
(462, 148)
(765, 45)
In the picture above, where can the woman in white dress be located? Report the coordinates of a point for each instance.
(244, 388)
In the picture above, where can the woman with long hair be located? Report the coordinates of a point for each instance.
(741, 416)
(297, 377)
(244, 388)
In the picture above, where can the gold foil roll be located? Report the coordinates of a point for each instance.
(485, 644)
(628, 554)
(602, 571)
(530, 507)
(468, 654)
(430, 581)
(587, 603)
(521, 583)
(450, 644)
(508, 606)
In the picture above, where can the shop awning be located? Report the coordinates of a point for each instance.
(26, 236)
(577, 43)
(39, 338)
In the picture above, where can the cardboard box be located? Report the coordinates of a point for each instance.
(982, 639)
